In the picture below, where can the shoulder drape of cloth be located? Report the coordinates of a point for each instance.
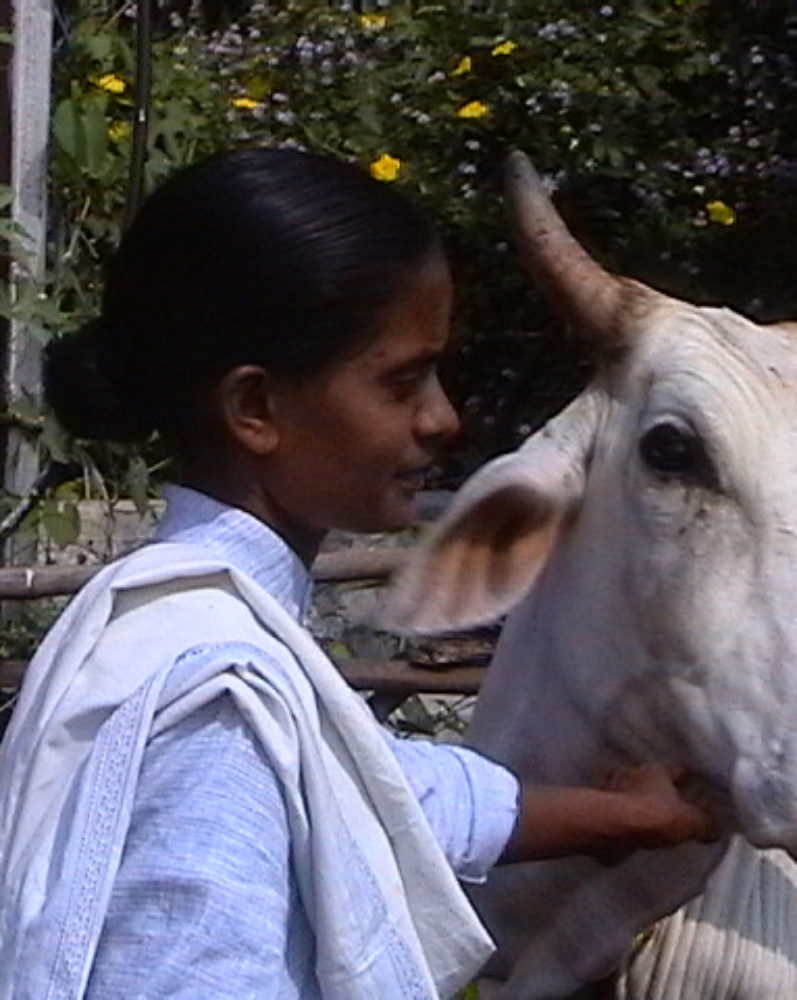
(389, 917)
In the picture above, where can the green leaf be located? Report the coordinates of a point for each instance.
(10, 232)
(99, 46)
(81, 129)
(137, 483)
(415, 716)
(56, 440)
(171, 125)
(339, 651)
(648, 79)
(68, 129)
(96, 132)
(60, 519)
(369, 118)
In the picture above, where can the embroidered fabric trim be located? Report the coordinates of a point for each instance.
(99, 851)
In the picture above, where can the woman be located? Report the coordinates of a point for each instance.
(193, 802)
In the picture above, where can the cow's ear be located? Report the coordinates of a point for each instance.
(489, 547)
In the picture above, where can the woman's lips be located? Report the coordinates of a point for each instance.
(415, 478)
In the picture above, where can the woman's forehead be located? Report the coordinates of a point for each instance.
(418, 321)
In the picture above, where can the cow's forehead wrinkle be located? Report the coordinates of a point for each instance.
(734, 422)
(767, 354)
(729, 378)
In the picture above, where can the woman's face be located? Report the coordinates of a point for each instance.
(354, 443)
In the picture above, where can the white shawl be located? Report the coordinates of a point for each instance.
(102, 683)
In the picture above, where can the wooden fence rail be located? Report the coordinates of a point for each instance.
(392, 680)
(19, 583)
(395, 678)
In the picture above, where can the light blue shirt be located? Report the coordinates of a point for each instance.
(206, 902)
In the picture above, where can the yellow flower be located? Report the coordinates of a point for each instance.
(721, 213)
(473, 109)
(246, 103)
(111, 82)
(504, 48)
(465, 65)
(373, 22)
(119, 131)
(386, 167)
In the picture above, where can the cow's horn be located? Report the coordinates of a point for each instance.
(595, 300)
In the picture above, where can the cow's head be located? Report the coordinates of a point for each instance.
(655, 520)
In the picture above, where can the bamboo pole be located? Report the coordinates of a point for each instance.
(31, 582)
(392, 677)
(396, 679)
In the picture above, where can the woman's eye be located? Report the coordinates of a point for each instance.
(413, 376)
(676, 452)
(408, 378)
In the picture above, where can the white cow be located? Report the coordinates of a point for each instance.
(649, 533)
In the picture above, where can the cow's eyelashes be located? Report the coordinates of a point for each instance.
(675, 451)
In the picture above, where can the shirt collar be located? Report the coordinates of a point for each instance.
(240, 539)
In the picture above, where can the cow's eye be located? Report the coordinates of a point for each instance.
(674, 451)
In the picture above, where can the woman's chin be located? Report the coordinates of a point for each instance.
(396, 516)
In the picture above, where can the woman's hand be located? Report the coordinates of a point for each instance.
(643, 806)
(661, 813)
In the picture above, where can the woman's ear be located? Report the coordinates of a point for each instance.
(245, 404)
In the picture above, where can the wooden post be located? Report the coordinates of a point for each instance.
(27, 91)
(5, 129)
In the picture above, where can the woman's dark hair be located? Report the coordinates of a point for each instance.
(262, 256)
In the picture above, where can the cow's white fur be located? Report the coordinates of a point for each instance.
(659, 622)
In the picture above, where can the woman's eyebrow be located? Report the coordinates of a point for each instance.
(427, 359)
(421, 357)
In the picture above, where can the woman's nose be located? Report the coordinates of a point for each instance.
(437, 418)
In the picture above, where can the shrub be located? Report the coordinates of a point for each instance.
(664, 124)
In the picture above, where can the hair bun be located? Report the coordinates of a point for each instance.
(83, 395)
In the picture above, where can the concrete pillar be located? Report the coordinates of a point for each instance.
(26, 95)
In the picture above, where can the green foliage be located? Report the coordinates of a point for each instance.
(588, 93)
(25, 301)
(665, 125)
(59, 517)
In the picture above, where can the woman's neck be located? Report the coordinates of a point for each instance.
(252, 497)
